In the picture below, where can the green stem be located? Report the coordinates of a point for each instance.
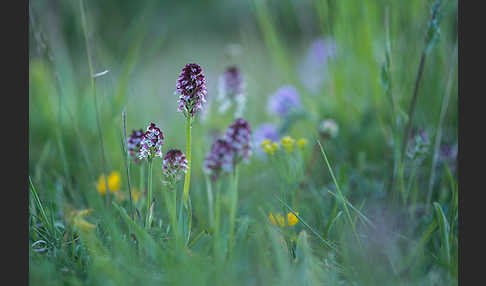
(93, 87)
(233, 206)
(217, 224)
(149, 194)
(210, 201)
(187, 179)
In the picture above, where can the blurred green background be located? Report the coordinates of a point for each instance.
(145, 44)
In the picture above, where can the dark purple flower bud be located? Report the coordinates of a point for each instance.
(152, 142)
(174, 165)
(191, 86)
(133, 143)
(283, 101)
(238, 136)
(219, 159)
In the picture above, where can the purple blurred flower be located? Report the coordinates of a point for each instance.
(283, 101)
(219, 159)
(448, 155)
(231, 91)
(238, 136)
(418, 142)
(174, 165)
(265, 131)
(151, 144)
(133, 143)
(191, 86)
(314, 66)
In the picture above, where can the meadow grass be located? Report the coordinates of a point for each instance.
(355, 201)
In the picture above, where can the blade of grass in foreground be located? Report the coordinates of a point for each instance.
(348, 214)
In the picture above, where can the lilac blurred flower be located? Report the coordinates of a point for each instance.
(151, 144)
(191, 86)
(285, 100)
(219, 159)
(238, 136)
(448, 155)
(265, 131)
(174, 165)
(313, 68)
(232, 91)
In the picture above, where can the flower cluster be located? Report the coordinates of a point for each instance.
(174, 165)
(191, 86)
(287, 143)
(284, 101)
(114, 183)
(231, 91)
(133, 143)
(151, 144)
(238, 136)
(291, 219)
(228, 151)
(269, 146)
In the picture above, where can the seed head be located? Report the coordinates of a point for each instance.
(329, 128)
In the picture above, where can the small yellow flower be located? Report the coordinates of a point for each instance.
(80, 222)
(272, 219)
(301, 143)
(265, 142)
(292, 219)
(270, 148)
(114, 182)
(288, 143)
(280, 220)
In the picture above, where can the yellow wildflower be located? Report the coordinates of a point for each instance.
(114, 182)
(270, 216)
(292, 219)
(301, 143)
(288, 143)
(270, 147)
(80, 222)
(280, 220)
(265, 142)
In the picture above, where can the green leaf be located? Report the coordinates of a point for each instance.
(444, 231)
